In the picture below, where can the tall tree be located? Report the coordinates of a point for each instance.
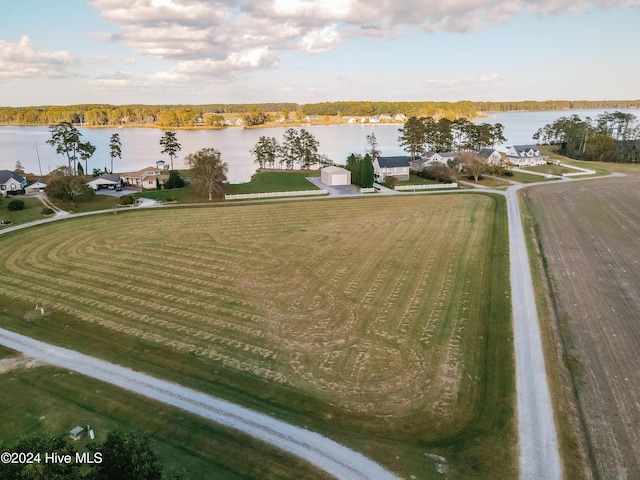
(19, 168)
(372, 146)
(308, 149)
(115, 147)
(127, 455)
(65, 138)
(290, 148)
(473, 164)
(265, 151)
(171, 146)
(413, 137)
(367, 174)
(208, 170)
(86, 151)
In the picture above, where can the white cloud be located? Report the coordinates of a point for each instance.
(215, 37)
(24, 59)
(464, 82)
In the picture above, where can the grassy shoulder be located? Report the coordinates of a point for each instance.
(50, 400)
(571, 446)
(275, 181)
(32, 211)
(482, 442)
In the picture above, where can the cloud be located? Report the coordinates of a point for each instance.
(24, 59)
(210, 37)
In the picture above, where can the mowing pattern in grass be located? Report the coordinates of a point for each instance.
(373, 314)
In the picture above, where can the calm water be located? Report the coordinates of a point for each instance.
(141, 148)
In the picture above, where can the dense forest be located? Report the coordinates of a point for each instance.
(609, 137)
(212, 114)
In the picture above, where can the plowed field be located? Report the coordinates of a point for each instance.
(590, 234)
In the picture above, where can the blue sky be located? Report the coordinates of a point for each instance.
(248, 51)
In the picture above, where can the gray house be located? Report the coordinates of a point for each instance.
(391, 167)
(11, 183)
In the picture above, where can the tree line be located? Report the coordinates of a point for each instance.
(609, 137)
(533, 106)
(424, 134)
(297, 147)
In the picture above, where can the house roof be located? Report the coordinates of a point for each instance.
(139, 173)
(393, 162)
(110, 177)
(523, 149)
(40, 180)
(334, 169)
(486, 152)
(5, 175)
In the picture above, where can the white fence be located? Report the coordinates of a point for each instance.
(431, 186)
(300, 193)
(368, 190)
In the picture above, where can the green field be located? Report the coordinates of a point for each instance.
(50, 400)
(390, 332)
(32, 211)
(275, 181)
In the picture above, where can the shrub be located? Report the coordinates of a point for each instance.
(47, 211)
(127, 200)
(15, 205)
(169, 198)
(508, 173)
(71, 188)
(175, 181)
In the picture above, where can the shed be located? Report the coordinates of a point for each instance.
(76, 432)
(332, 176)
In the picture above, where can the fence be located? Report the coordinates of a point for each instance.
(300, 193)
(368, 190)
(583, 171)
(431, 186)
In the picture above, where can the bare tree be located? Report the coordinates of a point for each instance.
(473, 164)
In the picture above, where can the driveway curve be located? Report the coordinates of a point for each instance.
(333, 458)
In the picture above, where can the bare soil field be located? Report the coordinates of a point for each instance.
(589, 233)
(385, 316)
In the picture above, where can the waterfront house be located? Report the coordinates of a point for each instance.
(525, 156)
(391, 167)
(11, 183)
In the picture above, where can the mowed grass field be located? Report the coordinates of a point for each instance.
(587, 233)
(382, 322)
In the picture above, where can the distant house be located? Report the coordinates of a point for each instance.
(312, 118)
(332, 176)
(391, 167)
(374, 120)
(400, 117)
(239, 122)
(430, 158)
(385, 117)
(11, 183)
(35, 187)
(106, 180)
(491, 155)
(351, 120)
(148, 178)
(525, 156)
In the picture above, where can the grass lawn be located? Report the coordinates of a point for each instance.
(601, 168)
(275, 181)
(487, 181)
(551, 169)
(32, 211)
(97, 202)
(188, 194)
(398, 352)
(526, 178)
(50, 400)
(416, 180)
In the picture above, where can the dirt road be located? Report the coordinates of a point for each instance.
(539, 457)
(326, 454)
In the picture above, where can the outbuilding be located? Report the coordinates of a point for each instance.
(332, 176)
(76, 433)
(36, 187)
(106, 180)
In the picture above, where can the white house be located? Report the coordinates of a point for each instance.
(106, 180)
(525, 156)
(391, 167)
(385, 117)
(332, 176)
(35, 187)
(11, 183)
(145, 178)
(491, 155)
(351, 120)
(430, 158)
(400, 117)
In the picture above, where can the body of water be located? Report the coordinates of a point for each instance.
(141, 147)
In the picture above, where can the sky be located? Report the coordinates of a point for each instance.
(305, 51)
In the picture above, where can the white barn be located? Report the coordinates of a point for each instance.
(332, 176)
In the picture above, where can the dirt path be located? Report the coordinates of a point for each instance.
(539, 456)
(320, 451)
